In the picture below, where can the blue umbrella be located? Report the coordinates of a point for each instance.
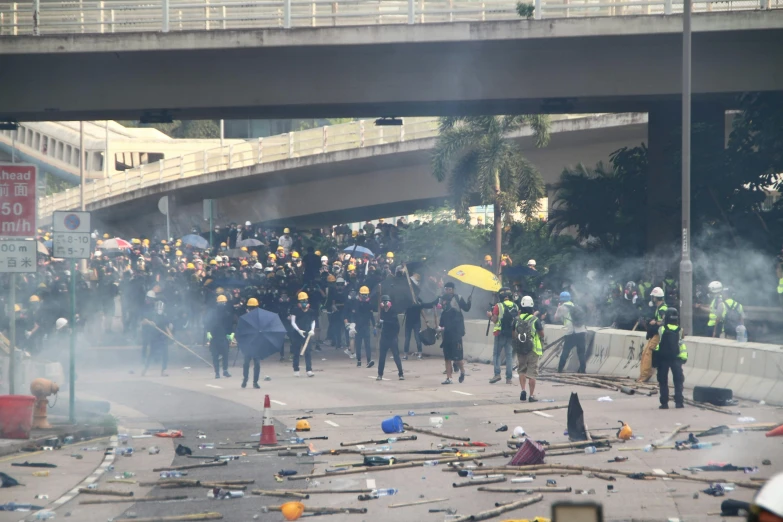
(359, 250)
(260, 333)
(195, 241)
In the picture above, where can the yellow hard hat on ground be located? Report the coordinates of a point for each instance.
(34, 299)
(302, 296)
(252, 302)
(191, 266)
(292, 510)
(364, 291)
(302, 425)
(221, 298)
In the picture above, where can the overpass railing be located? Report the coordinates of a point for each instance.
(353, 135)
(110, 16)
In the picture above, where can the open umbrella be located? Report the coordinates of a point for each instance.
(260, 333)
(513, 272)
(359, 250)
(195, 241)
(116, 244)
(252, 242)
(476, 276)
(236, 253)
(42, 249)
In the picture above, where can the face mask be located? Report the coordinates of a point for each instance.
(386, 305)
(304, 305)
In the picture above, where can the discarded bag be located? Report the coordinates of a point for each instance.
(576, 420)
(6, 481)
(183, 450)
(529, 453)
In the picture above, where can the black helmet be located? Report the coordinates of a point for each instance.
(504, 292)
(672, 316)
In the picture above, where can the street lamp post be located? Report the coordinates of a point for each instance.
(686, 266)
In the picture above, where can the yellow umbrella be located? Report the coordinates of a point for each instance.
(476, 276)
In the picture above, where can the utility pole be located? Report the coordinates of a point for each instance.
(686, 266)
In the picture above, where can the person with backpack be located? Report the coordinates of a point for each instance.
(503, 315)
(528, 341)
(735, 314)
(659, 310)
(573, 318)
(670, 354)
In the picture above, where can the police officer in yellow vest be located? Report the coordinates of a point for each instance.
(779, 274)
(645, 368)
(528, 354)
(717, 309)
(670, 354)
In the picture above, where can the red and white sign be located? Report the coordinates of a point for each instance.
(17, 200)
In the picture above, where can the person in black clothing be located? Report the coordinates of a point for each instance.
(303, 322)
(252, 304)
(360, 319)
(452, 327)
(448, 290)
(390, 329)
(670, 354)
(283, 308)
(413, 325)
(220, 333)
(312, 265)
(157, 321)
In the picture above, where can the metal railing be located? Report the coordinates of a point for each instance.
(110, 16)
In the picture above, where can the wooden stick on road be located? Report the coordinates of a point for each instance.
(525, 490)
(175, 518)
(478, 482)
(379, 441)
(546, 408)
(419, 503)
(112, 492)
(328, 491)
(280, 493)
(193, 466)
(408, 427)
(134, 500)
(491, 513)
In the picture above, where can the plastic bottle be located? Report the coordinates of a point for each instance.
(40, 473)
(391, 440)
(296, 440)
(590, 449)
(648, 448)
(170, 474)
(701, 445)
(411, 413)
(430, 463)
(128, 474)
(742, 334)
(208, 445)
(236, 494)
(44, 514)
(154, 450)
(68, 440)
(384, 492)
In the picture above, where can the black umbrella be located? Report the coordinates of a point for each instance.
(260, 333)
(513, 272)
(236, 253)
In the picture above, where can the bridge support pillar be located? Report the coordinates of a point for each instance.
(664, 181)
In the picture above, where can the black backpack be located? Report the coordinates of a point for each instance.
(732, 319)
(507, 321)
(577, 315)
(523, 334)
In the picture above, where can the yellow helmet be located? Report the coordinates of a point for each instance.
(302, 296)
(279, 248)
(331, 279)
(146, 241)
(163, 241)
(318, 252)
(105, 236)
(487, 257)
(243, 249)
(292, 510)
(364, 291)
(243, 262)
(219, 290)
(223, 244)
(178, 243)
(354, 233)
(252, 302)
(213, 262)
(254, 253)
(272, 257)
(302, 425)
(166, 248)
(178, 253)
(221, 298)
(99, 242)
(351, 268)
(191, 266)
(286, 231)
(390, 255)
(135, 241)
(34, 299)
(295, 255)
(17, 308)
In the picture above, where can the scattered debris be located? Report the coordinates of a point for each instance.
(111, 492)
(134, 500)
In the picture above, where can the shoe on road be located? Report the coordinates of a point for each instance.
(663, 407)
(256, 386)
(405, 357)
(402, 377)
(461, 377)
(371, 364)
(532, 399)
(509, 381)
(494, 379)
(379, 378)
(523, 396)
(310, 374)
(226, 374)
(418, 356)
(678, 406)
(447, 381)
(347, 352)
(359, 363)
(217, 376)
(244, 384)
(296, 374)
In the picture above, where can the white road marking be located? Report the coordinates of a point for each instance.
(332, 423)
(542, 414)
(277, 402)
(461, 392)
(213, 386)
(370, 483)
(383, 378)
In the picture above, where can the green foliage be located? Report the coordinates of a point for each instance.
(526, 10)
(312, 124)
(532, 240)
(55, 185)
(444, 243)
(183, 129)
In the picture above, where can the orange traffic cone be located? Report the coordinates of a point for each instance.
(268, 435)
(777, 432)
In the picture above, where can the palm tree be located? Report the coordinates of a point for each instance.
(478, 157)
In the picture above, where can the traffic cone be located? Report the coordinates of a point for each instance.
(777, 432)
(268, 435)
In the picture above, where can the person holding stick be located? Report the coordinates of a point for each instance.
(160, 328)
(302, 316)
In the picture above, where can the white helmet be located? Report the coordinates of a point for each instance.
(770, 497)
(532, 262)
(258, 266)
(248, 223)
(324, 259)
(151, 294)
(340, 280)
(269, 269)
(715, 287)
(657, 292)
(60, 323)
(527, 302)
(590, 275)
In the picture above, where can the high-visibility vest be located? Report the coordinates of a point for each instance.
(780, 285)
(660, 313)
(714, 313)
(670, 334)
(502, 310)
(537, 348)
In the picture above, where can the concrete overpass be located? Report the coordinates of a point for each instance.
(338, 174)
(559, 65)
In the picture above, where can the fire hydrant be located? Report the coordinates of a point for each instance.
(41, 389)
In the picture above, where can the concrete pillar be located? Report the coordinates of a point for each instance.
(664, 174)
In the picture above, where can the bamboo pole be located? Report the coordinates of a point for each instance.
(491, 513)
(328, 491)
(193, 466)
(668, 438)
(277, 448)
(379, 441)
(175, 518)
(525, 490)
(435, 433)
(281, 493)
(206, 485)
(419, 503)
(546, 408)
(134, 500)
(479, 482)
(602, 476)
(114, 493)
(575, 452)
(353, 471)
(324, 510)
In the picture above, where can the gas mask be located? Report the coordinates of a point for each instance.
(284, 298)
(386, 305)
(304, 304)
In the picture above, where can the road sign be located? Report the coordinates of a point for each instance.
(17, 200)
(18, 255)
(71, 235)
